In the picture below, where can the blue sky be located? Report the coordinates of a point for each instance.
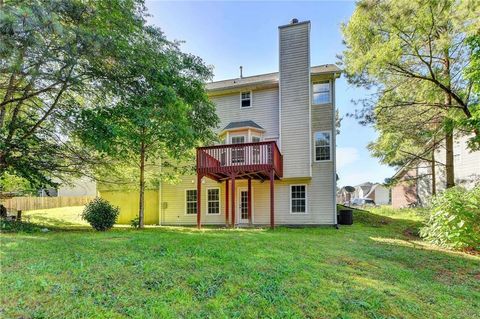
(229, 34)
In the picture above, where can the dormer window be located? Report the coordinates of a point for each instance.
(246, 99)
(321, 93)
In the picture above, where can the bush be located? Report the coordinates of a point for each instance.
(135, 223)
(453, 219)
(100, 214)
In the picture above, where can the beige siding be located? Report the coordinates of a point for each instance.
(323, 173)
(173, 199)
(264, 110)
(173, 210)
(295, 99)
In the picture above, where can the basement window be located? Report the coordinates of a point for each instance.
(213, 201)
(298, 199)
(191, 202)
(246, 99)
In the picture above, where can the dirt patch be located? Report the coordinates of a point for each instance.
(411, 233)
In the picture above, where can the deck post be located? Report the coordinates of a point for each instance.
(233, 200)
(226, 203)
(272, 199)
(250, 201)
(199, 201)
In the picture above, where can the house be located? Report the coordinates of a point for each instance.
(82, 186)
(276, 163)
(375, 191)
(415, 182)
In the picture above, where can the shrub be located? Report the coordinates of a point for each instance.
(453, 219)
(135, 223)
(100, 214)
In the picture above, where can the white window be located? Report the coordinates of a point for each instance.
(246, 99)
(255, 139)
(191, 202)
(213, 201)
(321, 93)
(238, 139)
(323, 143)
(298, 199)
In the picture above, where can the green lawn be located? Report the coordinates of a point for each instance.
(374, 269)
(64, 216)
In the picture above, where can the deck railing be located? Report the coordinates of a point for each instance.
(258, 156)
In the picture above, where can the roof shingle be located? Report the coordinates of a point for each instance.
(268, 78)
(241, 124)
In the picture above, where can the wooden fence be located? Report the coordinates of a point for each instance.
(32, 203)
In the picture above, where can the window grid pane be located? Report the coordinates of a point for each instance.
(245, 99)
(213, 196)
(321, 93)
(191, 202)
(322, 146)
(298, 198)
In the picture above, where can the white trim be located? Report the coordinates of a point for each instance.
(185, 201)
(306, 199)
(251, 100)
(334, 154)
(309, 103)
(238, 213)
(315, 147)
(329, 92)
(279, 94)
(219, 201)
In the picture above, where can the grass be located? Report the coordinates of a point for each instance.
(373, 269)
(57, 217)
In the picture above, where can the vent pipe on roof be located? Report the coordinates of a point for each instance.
(294, 21)
(241, 71)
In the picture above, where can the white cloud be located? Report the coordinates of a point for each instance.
(346, 156)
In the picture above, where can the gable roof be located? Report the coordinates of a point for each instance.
(242, 124)
(265, 79)
(366, 187)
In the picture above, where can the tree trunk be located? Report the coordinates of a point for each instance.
(449, 166)
(434, 175)
(142, 186)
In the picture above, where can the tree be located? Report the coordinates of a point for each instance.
(159, 113)
(472, 73)
(55, 58)
(413, 54)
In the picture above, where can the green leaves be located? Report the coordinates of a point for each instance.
(454, 219)
(158, 107)
(413, 55)
(58, 57)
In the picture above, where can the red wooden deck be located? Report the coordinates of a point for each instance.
(246, 160)
(260, 160)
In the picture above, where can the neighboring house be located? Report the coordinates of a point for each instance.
(415, 178)
(375, 191)
(79, 187)
(276, 165)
